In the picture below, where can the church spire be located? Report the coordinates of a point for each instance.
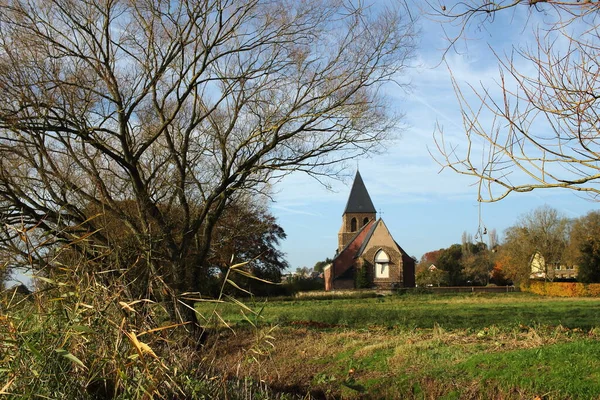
(359, 200)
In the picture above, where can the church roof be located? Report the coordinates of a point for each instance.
(367, 238)
(345, 259)
(359, 200)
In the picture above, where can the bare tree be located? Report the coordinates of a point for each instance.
(544, 124)
(466, 242)
(493, 239)
(157, 113)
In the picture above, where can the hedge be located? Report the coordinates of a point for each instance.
(563, 289)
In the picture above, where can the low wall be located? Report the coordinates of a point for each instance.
(339, 293)
(468, 289)
(563, 289)
(431, 289)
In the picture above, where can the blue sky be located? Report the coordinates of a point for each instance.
(425, 209)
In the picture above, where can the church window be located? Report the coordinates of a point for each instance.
(382, 265)
(365, 221)
(353, 225)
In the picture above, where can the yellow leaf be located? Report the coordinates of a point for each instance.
(235, 285)
(251, 276)
(162, 328)
(141, 347)
(5, 387)
(126, 306)
(236, 266)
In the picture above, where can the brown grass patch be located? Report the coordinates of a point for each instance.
(327, 362)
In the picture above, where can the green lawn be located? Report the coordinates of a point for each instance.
(458, 311)
(421, 346)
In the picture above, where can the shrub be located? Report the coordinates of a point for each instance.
(594, 289)
(362, 278)
(562, 289)
(302, 284)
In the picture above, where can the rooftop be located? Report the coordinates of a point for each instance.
(359, 200)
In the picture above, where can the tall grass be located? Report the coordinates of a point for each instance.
(81, 335)
(78, 336)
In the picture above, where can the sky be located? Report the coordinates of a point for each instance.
(424, 207)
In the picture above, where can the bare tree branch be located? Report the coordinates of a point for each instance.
(544, 125)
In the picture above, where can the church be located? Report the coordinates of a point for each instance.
(367, 255)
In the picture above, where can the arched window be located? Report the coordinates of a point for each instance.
(353, 225)
(382, 265)
(365, 221)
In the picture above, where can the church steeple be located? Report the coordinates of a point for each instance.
(359, 211)
(359, 200)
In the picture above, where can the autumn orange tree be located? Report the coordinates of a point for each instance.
(160, 113)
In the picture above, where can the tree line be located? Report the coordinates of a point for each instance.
(557, 240)
(458, 265)
(543, 239)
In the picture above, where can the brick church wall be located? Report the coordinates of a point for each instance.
(395, 266)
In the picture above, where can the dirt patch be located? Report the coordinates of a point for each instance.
(314, 324)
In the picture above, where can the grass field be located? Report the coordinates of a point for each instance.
(419, 346)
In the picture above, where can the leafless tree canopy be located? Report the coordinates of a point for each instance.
(159, 112)
(542, 130)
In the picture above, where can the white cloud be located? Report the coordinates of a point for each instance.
(426, 209)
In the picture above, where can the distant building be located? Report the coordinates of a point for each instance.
(367, 254)
(539, 270)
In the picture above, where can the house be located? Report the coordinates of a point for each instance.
(367, 254)
(539, 270)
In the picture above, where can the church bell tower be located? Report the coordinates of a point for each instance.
(359, 211)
